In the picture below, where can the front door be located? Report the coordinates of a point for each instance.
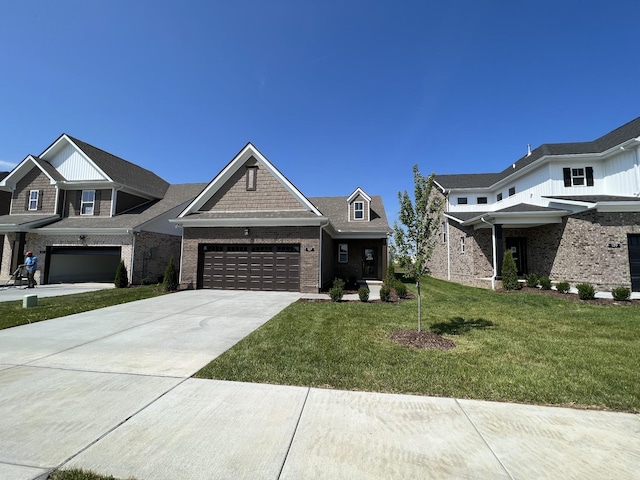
(634, 261)
(518, 247)
(369, 269)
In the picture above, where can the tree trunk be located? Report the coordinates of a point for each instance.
(419, 307)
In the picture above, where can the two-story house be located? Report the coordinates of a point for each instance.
(251, 228)
(569, 211)
(81, 210)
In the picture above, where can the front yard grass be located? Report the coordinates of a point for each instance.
(13, 314)
(517, 347)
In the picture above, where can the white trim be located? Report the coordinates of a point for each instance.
(354, 195)
(37, 199)
(10, 183)
(55, 146)
(236, 163)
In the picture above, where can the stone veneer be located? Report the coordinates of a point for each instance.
(307, 237)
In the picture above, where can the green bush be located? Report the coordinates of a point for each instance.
(390, 279)
(122, 278)
(545, 283)
(586, 291)
(621, 294)
(385, 293)
(170, 281)
(363, 293)
(533, 280)
(337, 291)
(509, 272)
(563, 287)
(401, 289)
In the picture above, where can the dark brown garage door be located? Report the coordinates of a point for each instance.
(250, 267)
(634, 261)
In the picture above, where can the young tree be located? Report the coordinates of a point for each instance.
(122, 279)
(415, 239)
(170, 281)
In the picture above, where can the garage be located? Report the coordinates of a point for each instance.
(82, 264)
(250, 267)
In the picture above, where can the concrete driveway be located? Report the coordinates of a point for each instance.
(110, 391)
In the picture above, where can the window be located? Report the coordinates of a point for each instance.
(358, 210)
(482, 200)
(512, 191)
(576, 177)
(343, 253)
(87, 202)
(461, 244)
(252, 178)
(462, 200)
(33, 199)
(499, 196)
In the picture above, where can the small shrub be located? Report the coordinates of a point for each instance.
(122, 278)
(337, 291)
(363, 293)
(586, 291)
(621, 294)
(533, 280)
(509, 272)
(545, 283)
(390, 279)
(170, 282)
(401, 289)
(563, 287)
(385, 293)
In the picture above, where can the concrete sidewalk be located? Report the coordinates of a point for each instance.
(11, 293)
(110, 390)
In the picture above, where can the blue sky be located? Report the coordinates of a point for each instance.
(336, 94)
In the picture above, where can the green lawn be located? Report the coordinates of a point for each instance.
(520, 347)
(13, 314)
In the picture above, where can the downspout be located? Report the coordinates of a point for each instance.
(493, 246)
(322, 227)
(182, 255)
(448, 253)
(133, 234)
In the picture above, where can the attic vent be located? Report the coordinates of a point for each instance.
(528, 149)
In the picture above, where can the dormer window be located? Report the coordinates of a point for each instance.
(88, 202)
(252, 178)
(358, 210)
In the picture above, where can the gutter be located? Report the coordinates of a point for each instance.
(493, 246)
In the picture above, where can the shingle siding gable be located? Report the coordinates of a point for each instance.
(268, 195)
(34, 180)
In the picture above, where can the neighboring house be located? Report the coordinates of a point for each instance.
(251, 228)
(81, 210)
(569, 211)
(5, 206)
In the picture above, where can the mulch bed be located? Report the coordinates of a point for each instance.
(425, 340)
(571, 297)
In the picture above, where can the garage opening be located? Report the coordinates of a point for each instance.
(82, 264)
(634, 261)
(250, 267)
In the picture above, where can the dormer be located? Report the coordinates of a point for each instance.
(359, 206)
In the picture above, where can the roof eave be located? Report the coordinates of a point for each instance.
(250, 222)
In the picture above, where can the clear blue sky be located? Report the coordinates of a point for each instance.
(336, 94)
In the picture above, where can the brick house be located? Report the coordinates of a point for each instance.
(251, 228)
(81, 210)
(569, 211)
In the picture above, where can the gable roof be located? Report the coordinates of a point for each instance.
(334, 209)
(627, 132)
(358, 191)
(232, 167)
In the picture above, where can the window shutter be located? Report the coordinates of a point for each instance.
(96, 203)
(39, 199)
(26, 200)
(589, 171)
(566, 172)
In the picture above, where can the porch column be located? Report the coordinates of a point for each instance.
(497, 228)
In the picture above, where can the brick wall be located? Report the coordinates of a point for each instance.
(153, 252)
(269, 193)
(307, 237)
(34, 180)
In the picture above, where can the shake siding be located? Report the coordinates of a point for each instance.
(102, 205)
(352, 209)
(269, 194)
(34, 180)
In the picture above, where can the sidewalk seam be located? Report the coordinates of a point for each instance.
(475, 427)
(295, 432)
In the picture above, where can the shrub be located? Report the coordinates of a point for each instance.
(621, 294)
(363, 293)
(545, 283)
(586, 291)
(533, 280)
(170, 281)
(390, 279)
(509, 272)
(563, 287)
(385, 293)
(337, 291)
(122, 279)
(401, 289)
